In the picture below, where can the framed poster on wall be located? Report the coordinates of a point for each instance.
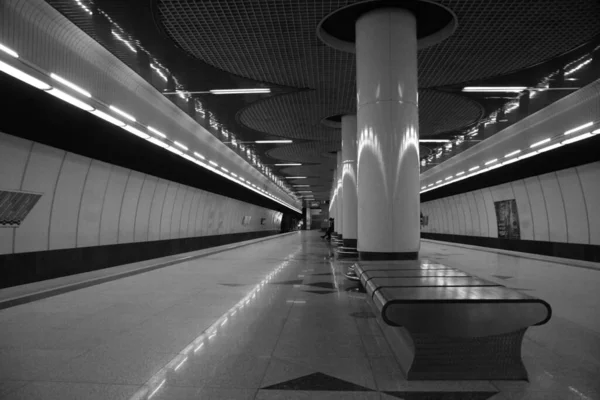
(507, 216)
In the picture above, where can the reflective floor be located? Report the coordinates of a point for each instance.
(276, 320)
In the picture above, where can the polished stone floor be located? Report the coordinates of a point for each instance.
(276, 320)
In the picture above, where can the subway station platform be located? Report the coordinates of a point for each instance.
(277, 320)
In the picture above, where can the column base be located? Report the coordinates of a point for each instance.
(377, 256)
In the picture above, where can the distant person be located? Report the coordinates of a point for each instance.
(329, 230)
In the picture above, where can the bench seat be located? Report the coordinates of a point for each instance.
(448, 324)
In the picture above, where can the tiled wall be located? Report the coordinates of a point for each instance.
(87, 203)
(558, 207)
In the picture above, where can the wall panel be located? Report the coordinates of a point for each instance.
(90, 215)
(167, 210)
(185, 214)
(524, 209)
(555, 207)
(41, 175)
(67, 198)
(491, 212)
(577, 219)
(482, 211)
(538, 209)
(476, 225)
(14, 154)
(156, 209)
(589, 175)
(144, 206)
(111, 210)
(178, 211)
(129, 207)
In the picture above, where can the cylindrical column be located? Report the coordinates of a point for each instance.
(339, 218)
(350, 210)
(388, 140)
(333, 208)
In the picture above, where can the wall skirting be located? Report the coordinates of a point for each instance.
(575, 251)
(22, 268)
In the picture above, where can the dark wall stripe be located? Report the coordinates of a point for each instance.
(575, 251)
(22, 268)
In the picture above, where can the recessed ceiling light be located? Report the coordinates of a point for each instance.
(9, 51)
(70, 84)
(580, 127)
(273, 141)
(487, 89)
(123, 113)
(541, 142)
(159, 133)
(70, 99)
(22, 76)
(434, 140)
(241, 91)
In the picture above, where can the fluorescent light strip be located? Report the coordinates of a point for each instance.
(108, 118)
(434, 140)
(512, 153)
(473, 168)
(577, 138)
(448, 178)
(158, 142)
(199, 156)
(551, 147)
(123, 113)
(524, 156)
(541, 142)
(295, 177)
(288, 165)
(460, 173)
(486, 89)
(213, 163)
(273, 141)
(157, 132)
(491, 161)
(9, 51)
(70, 99)
(224, 169)
(175, 150)
(423, 187)
(70, 84)
(440, 181)
(234, 175)
(181, 145)
(22, 76)
(579, 128)
(240, 91)
(136, 132)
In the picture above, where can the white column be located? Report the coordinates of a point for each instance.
(339, 219)
(350, 212)
(388, 142)
(333, 208)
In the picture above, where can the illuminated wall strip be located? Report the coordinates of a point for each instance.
(24, 77)
(436, 185)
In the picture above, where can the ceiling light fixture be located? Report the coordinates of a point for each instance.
(158, 142)
(273, 141)
(578, 138)
(541, 142)
(434, 140)
(9, 51)
(288, 165)
(579, 128)
(136, 132)
(70, 99)
(108, 118)
(512, 153)
(213, 163)
(488, 89)
(123, 113)
(491, 161)
(551, 147)
(22, 76)
(157, 132)
(240, 91)
(460, 173)
(295, 177)
(199, 156)
(473, 168)
(70, 84)
(180, 145)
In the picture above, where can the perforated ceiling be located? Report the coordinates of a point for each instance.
(275, 41)
(299, 115)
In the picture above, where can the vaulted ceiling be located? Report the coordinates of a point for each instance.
(273, 43)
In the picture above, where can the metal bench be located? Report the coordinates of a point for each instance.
(445, 324)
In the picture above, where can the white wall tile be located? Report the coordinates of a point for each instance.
(177, 211)
(538, 209)
(14, 153)
(111, 210)
(476, 226)
(142, 215)
(167, 211)
(67, 199)
(129, 207)
(156, 209)
(554, 205)
(90, 215)
(40, 176)
(185, 214)
(577, 218)
(526, 223)
(589, 175)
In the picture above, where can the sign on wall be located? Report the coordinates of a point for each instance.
(14, 207)
(508, 219)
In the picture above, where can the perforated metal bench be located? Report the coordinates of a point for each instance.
(445, 324)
